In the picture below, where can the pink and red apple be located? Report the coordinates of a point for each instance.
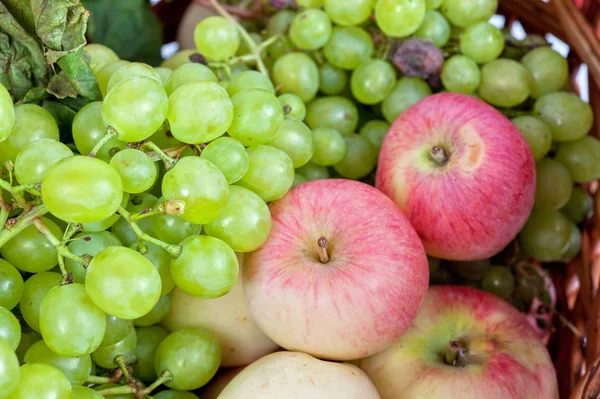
(342, 273)
(468, 344)
(461, 172)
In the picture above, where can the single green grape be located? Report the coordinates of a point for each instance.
(164, 139)
(11, 285)
(137, 203)
(360, 158)
(581, 157)
(312, 171)
(245, 222)
(203, 202)
(30, 251)
(10, 329)
(7, 113)
(345, 13)
(399, 18)
(76, 369)
(164, 73)
(375, 131)
(335, 112)
(192, 355)
(546, 235)
(116, 330)
(172, 229)
(408, 91)
(36, 158)
(332, 80)
(34, 291)
(293, 106)
(461, 74)
(170, 394)
(258, 115)
(104, 356)
(330, 147)
(148, 339)
(217, 38)
(578, 208)
(27, 340)
(178, 59)
(553, 184)
(103, 75)
(298, 179)
(9, 364)
(187, 73)
(298, 74)
(270, 172)
(158, 312)
(548, 69)
(348, 47)
(311, 28)
(132, 69)
(137, 170)
(280, 22)
(249, 80)
(471, 270)
(295, 139)
(80, 392)
(41, 380)
(372, 81)
(229, 155)
(575, 241)
(537, 134)
(482, 42)
(463, 13)
(162, 262)
(100, 55)
(568, 116)
(499, 280)
(504, 83)
(126, 292)
(435, 28)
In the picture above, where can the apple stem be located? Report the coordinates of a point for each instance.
(323, 242)
(438, 154)
(456, 354)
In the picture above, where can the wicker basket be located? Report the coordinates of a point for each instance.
(575, 347)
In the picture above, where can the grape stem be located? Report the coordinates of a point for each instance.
(259, 49)
(163, 155)
(15, 225)
(122, 390)
(110, 134)
(170, 207)
(94, 379)
(165, 376)
(16, 194)
(120, 361)
(3, 214)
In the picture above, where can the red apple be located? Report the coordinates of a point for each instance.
(461, 172)
(465, 343)
(342, 273)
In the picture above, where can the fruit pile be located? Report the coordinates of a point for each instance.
(156, 247)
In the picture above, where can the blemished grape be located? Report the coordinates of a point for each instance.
(245, 222)
(332, 80)
(41, 380)
(298, 74)
(229, 155)
(103, 75)
(178, 59)
(360, 158)
(553, 184)
(132, 69)
(11, 285)
(575, 241)
(270, 172)
(546, 235)
(193, 356)
(249, 80)
(473, 270)
(461, 74)
(10, 329)
(187, 73)
(298, 179)
(32, 123)
(148, 339)
(216, 38)
(137, 170)
(312, 171)
(36, 158)
(135, 107)
(408, 91)
(104, 356)
(504, 83)
(88, 128)
(158, 312)
(76, 369)
(435, 28)
(578, 208)
(311, 28)
(375, 131)
(348, 47)
(372, 81)
(30, 251)
(295, 139)
(499, 280)
(548, 69)
(258, 115)
(537, 134)
(344, 13)
(34, 291)
(9, 364)
(164, 73)
(399, 18)
(568, 116)
(71, 195)
(465, 13)
(161, 261)
(80, 392)
(116, 330)
(7, 113)
(582, 158)
(329, 145)
(335, 112)
(172, 229)
(138, 203)
(126, 292)
(280, 22)
(482, 42)
(203, 202)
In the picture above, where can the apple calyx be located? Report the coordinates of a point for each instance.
(438, 155)
(322, 243)
(456, 355)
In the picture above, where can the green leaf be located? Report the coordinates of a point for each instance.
(81, 75)
(61, 87)
(35, 95)
(64, 118)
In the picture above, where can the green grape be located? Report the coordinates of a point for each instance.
(164, 139)
(34, 291)
(100, 56)
(581, 157)
(575, 241)
(9, 364)
(433, 4)
(137, 203)
(332, 80)
(192, 72)
(203, 202)
(408, 91)
(136, 107)
(193, 356)
(162, 262)
(553, 184)
(40, 380)
(76, 369)
(472, 270)
(312, 171)
(375, 131)
(103, 75)
(229, 155)
(548, 69)
(270, 172)
(482, 42)
(71, 324)
(435, 28)
(372, 81)
(71, 195)
(137, 170)
(27, 340)
(499, 280)
(293, 106)
(158, 312)
(7, 113)
(132, 69)
(30, 251)
(504, 83)
(278, 49)
(295, 139)
(79, 392)
(245, 222)
(170, 394)
(178, 59)
(148, 339)
(120, 396)
(217, 38)
(330, 147)
(463, 13)
(546, 234)
(578, 208)
(11, 285)
(249, 80)
(258, 115)
(172, 229)
(32, 123)
(335, 112)
(10, 329)
(164, 73)
(88, 128)
(348, 47)
(116, 330)
(280, 22)
(567, 116)
(461, 74)
(537, 134)
(399, 18)
(298, 179)
(298, 74)
(36, 158)
(360, 158)
(344, 12)
(126, 292)
(104, 356)
(311, 28)
(306, 4)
